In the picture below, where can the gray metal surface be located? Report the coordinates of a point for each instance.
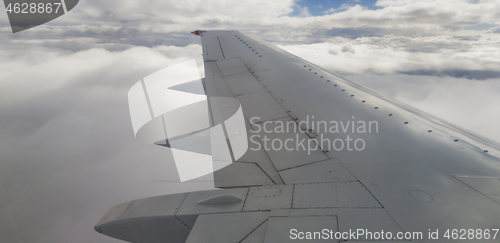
(285, 159)
(262, 105)
(401, 157)
(231, 66)
(269, 197)
(217, 87)
(222, 88)
(260, 157)
(331, 195)
(241, 174)
(323, 171)
(243, 83)
(189, 211)
(145, 220)
(156, 206)
(226, 227)
(212, 49)
(257, 236)
(486, 185)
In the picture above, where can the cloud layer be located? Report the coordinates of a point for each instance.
(68, 151)
(473, 57)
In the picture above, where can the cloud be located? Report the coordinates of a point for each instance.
(339, 9)
(495, 30)
(468, 104)
(347, 48)
(67, 146)
(304, 12)
(472, 57)
(155, 22)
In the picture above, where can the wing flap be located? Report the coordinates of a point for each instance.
(240, 174)
(263, 171)
(228, 227)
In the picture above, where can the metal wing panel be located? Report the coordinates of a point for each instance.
(409, 159)
(257, 236)
(243, 83)
(228, 227)
(220, 75)
(240, 174)
(323, 171)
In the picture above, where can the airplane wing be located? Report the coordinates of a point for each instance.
(327, 160)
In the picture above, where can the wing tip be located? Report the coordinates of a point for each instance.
(198, 32)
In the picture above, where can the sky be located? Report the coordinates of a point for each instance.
(67, 149)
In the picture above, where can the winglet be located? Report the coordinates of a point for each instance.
(198, 32)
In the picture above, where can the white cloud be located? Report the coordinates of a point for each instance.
(66, 141)
(157, 22)
(335, 10)
(304, 12)
(472, 105)
(441, 55)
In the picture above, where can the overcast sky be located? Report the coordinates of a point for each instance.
(67, 149)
